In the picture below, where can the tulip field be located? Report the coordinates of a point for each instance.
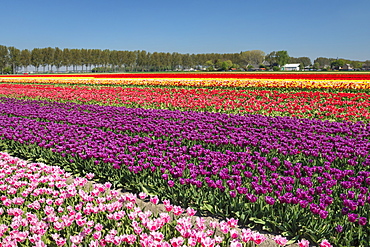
(283, 153)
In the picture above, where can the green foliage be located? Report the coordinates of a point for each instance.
(277, 58)
(14, 58)
(303, 61)
(101, 69)
(356, 64)
(316, 65)
(282, 58)
(3, 56)
(226, 65)
(337, 64)
(210, 65)
(36, 58)
(253, 57)
(140, 60)
(7, 70)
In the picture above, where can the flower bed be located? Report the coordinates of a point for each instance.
(300, 177)
(198, 82)
(296, 103)
(39, 207)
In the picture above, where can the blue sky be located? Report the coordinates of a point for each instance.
(310, 28)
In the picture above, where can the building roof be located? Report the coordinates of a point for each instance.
(292, 65)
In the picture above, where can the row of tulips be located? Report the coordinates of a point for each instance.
(197, 82)
(291, 175)
(306, 76)
(324, 105)
(42, 206)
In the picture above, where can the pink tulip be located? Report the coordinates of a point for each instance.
(12, 191)
(49, 201)
(142, 195)
(3, 228)
(130, 205)
(131, 239)
(21, 236)
(168, 208)
(165, 217)
(97, 235)
(60, 241)
(152, 225)
(58, 226)
(18, 201)
(200, 223)
(7, 202)
(192, 241)
(166, 202)
(81, 222)
(177, 210)
(40, 243)
(87, 231)
(177, 242)
(90, 223)
(219, 239)
(94, 243)
(154, 200)
(258, 238)
(55, 235)
(34, 238)
(191, 211)
(232, 222)
(59, 202)
(224, 227)
(280, 240)
(90, 175)
(208, 242)
(199, 235)
(138, 230)
(303, 243)
(107, 185)
(235, 243)
(157, 236)
(325, 243)
(76, 239)
(48, 210)
(234, 233)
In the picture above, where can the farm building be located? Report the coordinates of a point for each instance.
(347, 67)
(290, 67)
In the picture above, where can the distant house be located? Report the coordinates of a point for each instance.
(290, 67)
(347, 67)
(366, 66)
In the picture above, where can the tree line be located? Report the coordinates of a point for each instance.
(13, 60)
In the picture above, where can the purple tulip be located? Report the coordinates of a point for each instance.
(269, 200)
(345, 211)
(362, 221)
(339, 228)
(171, 183)
(323, 214)
(352, 217)
(232, 193)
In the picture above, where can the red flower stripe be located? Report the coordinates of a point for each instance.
(324, 105)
